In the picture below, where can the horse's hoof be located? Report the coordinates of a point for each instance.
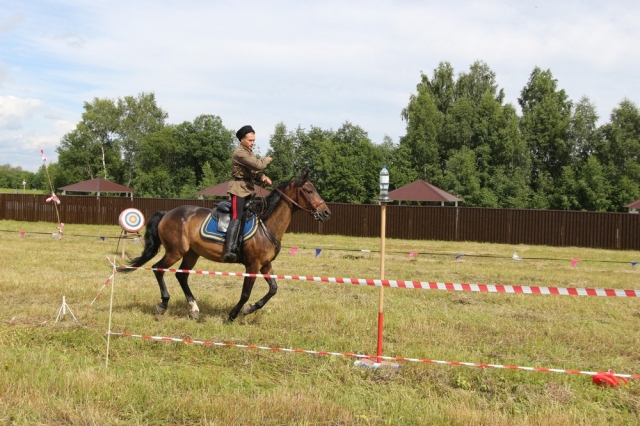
(160, 310)
(247, 309)
(194, 315)
(228, 320)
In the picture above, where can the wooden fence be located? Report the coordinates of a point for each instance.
(505, 226)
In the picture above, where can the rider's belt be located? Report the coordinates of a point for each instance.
(242, 179)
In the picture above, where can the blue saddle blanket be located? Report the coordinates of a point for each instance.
(209, 229)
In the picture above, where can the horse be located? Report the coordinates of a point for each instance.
(178, 232)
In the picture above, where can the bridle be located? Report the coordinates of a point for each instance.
(300, 192)
(314, 212)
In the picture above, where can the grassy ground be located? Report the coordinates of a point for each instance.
(55, 373)
(20, 191)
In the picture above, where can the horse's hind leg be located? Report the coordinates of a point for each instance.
(273, 288)
(166, 261)
(188, 261)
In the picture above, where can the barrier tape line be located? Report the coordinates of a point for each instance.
(106, 283)
(422, 285)
(361, 356)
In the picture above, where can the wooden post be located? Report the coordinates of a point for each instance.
(383, 231)
(124, 242)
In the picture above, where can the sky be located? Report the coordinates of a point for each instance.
(300, 63)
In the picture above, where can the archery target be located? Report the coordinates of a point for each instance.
(131, 220)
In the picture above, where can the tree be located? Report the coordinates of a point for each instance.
(478, 82)
(592, 189)
(99, 128)
(138, 117)
(564, 194)
(205, 140)
(352, 166)
(209, 177)
(583, 130)
(622, 137)
(441, 86)
(466, 119)
(546, 114)
(620, 154)
(424, 121)
(12, 177)
(106, 140)
(159, 173)
(80, 157)
(462, 179)
(309, 149)
(176, 160)
(282, 150)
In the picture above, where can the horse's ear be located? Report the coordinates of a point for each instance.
(304, 176)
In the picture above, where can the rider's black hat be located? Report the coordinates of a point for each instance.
(243, 132)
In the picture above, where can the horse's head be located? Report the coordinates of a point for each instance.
(307, 198)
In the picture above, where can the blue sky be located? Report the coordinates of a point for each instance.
(301, 63)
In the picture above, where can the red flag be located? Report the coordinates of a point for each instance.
(44, 159)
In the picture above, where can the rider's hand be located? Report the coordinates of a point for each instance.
(266, 180)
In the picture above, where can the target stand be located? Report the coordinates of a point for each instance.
(131, 221)
(63, 311)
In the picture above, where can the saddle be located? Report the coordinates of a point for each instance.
(222, 213)
(215, 224)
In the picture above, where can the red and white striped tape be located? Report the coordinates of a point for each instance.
(422, 285)
(360, 356)
(106, 283)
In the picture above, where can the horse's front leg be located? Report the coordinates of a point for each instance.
(273, 289)
(247, 286)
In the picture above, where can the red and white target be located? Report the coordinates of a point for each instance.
(131, 220)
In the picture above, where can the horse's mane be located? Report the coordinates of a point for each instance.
(271, 201)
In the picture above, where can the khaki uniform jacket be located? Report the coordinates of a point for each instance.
(246, 168)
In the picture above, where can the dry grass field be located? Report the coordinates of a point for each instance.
(54, 373)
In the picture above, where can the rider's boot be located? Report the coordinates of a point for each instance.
(231, 243)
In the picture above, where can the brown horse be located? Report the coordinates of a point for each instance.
(178, 231)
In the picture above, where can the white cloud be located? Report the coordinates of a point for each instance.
(4, 75)
(13, 111)
(27, 125)
(11, 22)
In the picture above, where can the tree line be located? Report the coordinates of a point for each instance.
(460, 136)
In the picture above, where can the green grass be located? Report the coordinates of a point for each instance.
(55, 373)
(20, 191)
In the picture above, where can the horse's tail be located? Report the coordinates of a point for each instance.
(152, 243)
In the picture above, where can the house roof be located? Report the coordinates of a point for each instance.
(97, 185)
(422, 191)
(221, 190)
(634, 205)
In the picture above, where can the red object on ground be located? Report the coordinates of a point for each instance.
(603, 379)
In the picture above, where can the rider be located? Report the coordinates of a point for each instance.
(246, 168)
